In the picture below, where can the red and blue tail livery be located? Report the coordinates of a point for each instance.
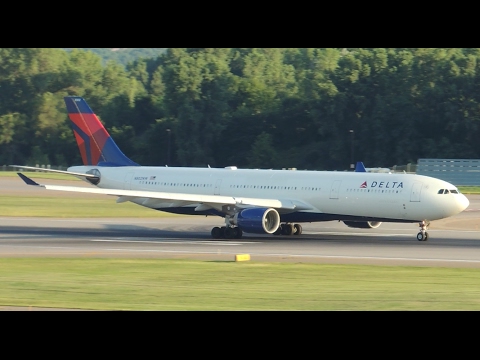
(94, 142)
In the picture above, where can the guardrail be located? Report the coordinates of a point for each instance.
(465, 172)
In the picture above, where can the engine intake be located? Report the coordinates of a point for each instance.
(363, 224)
(258, 220)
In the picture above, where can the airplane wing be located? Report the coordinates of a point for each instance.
(178, 199)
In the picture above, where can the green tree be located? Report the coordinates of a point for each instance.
(262, 153)
(198, 88)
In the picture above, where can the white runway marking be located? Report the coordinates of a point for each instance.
(176, 242)
(308, 256)
(253, 254)
(351, 233)
(404, 234)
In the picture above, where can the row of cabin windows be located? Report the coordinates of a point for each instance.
(270, 187)
(273, 187)
(263, 187)
(391, 191)
(174, 184)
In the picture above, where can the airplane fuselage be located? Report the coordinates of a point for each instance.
(314, 195)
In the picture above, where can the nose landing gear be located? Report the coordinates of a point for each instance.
(423, 234)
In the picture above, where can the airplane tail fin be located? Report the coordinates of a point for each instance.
(360, 167)
(94, 142)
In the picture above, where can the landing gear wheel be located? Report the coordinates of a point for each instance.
(239, 233)
(287, 229)
(298, 229)
(278, 231)
(423, 235)
(230, 232)
(216, 232)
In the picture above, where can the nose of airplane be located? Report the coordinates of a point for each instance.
(462, 202)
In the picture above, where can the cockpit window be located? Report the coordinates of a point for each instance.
(446, 191)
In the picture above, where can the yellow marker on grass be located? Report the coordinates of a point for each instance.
(242, 257)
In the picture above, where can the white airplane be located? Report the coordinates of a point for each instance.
(254, 201)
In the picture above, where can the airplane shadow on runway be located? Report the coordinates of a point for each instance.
(136, 231)
(106, 232)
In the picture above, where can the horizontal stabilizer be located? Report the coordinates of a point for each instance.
(55, 171)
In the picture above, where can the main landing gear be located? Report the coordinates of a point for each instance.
(234, 232)
(289, 229)
(422, 235)
(227, 232)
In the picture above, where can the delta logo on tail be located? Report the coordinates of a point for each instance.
(95, 144)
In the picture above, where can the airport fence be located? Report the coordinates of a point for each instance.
(459, 172)
(408, 168)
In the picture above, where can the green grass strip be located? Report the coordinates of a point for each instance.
(166, 284)
(58, 207)
(469, 189)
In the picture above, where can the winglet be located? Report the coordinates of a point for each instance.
(360, 167)
(27, 180)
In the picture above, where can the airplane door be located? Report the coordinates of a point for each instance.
(217, 187)
(334, 189)
(415, 194)
(127, 181)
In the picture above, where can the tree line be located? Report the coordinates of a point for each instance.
(307, 108)
(123, 55)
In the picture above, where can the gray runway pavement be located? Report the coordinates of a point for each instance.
(453, 242)
(189, 237)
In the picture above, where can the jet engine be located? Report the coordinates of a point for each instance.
(363, 224)
(258, 220)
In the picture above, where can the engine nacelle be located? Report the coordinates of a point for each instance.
(258, 220)
(363, 224)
